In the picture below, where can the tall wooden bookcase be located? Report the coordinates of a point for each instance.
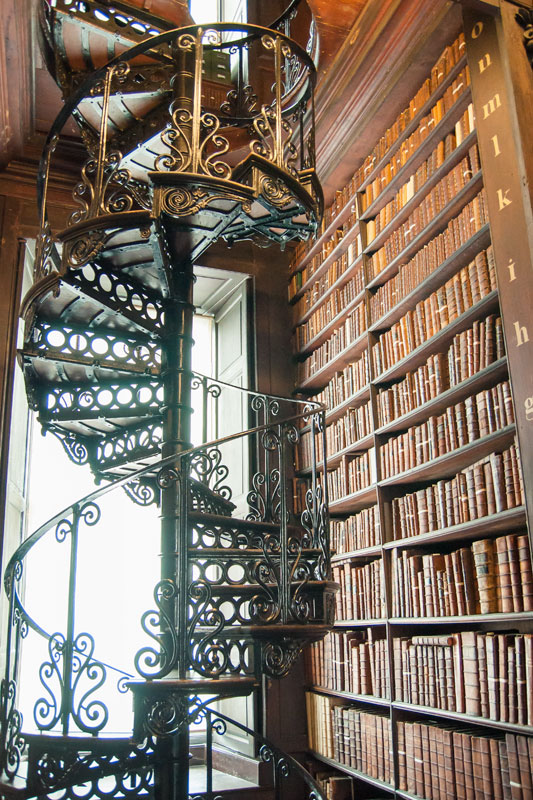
(412, 322)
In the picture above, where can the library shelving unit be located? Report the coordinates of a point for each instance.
(424, 689)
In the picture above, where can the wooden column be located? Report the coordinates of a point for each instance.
(509, 202)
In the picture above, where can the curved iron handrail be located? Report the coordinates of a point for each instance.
(24, 548)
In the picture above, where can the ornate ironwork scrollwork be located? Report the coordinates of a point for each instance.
(524, 17)
(279, 656)
(207, 466)
(89, 715)
(13, 743)
(142, 492)
(209, 657)
(149, 662)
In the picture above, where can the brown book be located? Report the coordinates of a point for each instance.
(496, 774)
(503, 676)
(485, 569)
(528, 658)
(515, 777)
(515, 574)
(469, 583)
(526, 573)
(493, 683)
(471, 673)
(521, 683)
(504, 769)
(458, 765)
(504, 574)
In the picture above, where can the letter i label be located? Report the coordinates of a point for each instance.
(512, 273)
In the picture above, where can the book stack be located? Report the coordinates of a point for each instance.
(356, 532)
(447, 61)
(432, 204)
(479, 415)
(354, 425)
(345, 383)
(349, 330)
(466, 288)
(354, 662)
(410, 145)
(487, 675)
(354, 473)
(489, 576)
(361, 595)
(445, 762)
(470, 351)
(489, 486)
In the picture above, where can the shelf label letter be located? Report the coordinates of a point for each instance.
(477, 30)
(490, 107)
(484, 62)
(510, 267)
(503, 200)
(528, 405)
(496, 144)
(521, 334)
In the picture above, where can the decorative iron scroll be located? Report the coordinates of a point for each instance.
(524, 17)
(160, 626)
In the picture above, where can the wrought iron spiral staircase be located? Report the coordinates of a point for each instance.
(107, 363)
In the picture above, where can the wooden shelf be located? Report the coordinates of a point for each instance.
(467, 619)
(449, 267)
(441, 339)
(454, 461)
(357, 698)
(488, 376)
(325, 373)
(350, 771)
(365, 552)
(360, 623)
(482, 722)
(413, 125)
(355, 501)
(332, 325)
(433, 228)
(348, 273)
(503, 522)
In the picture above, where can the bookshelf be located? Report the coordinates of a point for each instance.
(424, 687)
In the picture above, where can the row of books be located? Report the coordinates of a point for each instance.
(353, 474)
(417, 179)
(411, 144)
(348, 332)
(345, 384)
(356, 532)
(354, 662)
(336, 269)
(450, 56)
(490, 485)
(362, 740)
(467, 287)
(487, 675)
(329, 310)
(476, 579)
(467, 421)
(416, 327)
(457, 232)
(444, 762)
(470, 351)
(355, 424)
(328, 247)
(360, 595)
(426, 210)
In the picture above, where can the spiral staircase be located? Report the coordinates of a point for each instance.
(193, 134)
